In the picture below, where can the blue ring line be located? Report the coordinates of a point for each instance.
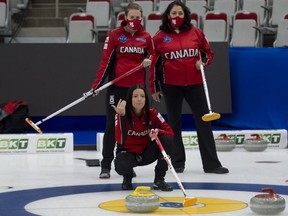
(13, 203)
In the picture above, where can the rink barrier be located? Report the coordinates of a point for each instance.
(36, 143)
(275, 138)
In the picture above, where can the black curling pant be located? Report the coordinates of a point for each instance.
(113, 95)
(125, 161)
(195, 97)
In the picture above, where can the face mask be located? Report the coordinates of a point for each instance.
(134, 24)
(176, 21)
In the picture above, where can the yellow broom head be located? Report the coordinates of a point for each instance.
(211, 116)
(33, 125)
(189, 201)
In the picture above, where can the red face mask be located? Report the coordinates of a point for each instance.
(134, 24)
(177, 21)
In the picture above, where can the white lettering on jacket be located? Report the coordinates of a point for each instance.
(134, 133)
(138, 50)
(182, 54)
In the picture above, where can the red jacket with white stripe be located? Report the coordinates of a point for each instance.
(177, 54)
(135, 139)
(121, 53)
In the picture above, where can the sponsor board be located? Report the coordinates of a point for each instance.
(36, 143)
(275, 138)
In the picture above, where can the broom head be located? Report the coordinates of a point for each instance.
(211, 116)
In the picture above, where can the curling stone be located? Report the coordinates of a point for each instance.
(142, 200)
(255, 144)
(267, 204)
(224, 143)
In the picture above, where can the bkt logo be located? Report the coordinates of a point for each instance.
(51, 143)
(190, 140)
(11, 144)
(271, 138)
(238, 138)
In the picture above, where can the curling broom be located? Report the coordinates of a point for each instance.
(84, 97)
(189, 201)
(211, 115)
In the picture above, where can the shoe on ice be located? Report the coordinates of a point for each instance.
(127, 183)
(179, 169)
(218, 170)
(162, 185)
(105, 174)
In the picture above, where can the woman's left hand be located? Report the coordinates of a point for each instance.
(146, 62)
(198, 63)
(151, 135)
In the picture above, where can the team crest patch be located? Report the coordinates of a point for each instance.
(141, 40)
(167, 39)
(123, 38)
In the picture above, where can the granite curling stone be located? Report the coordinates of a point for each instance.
(224, 143)
(255, 144)
(142, 200)
(267, 204)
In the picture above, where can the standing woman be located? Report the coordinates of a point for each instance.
(134, 121)
(125, 48)
(178, 47)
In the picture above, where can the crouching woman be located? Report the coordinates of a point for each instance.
(134, 121)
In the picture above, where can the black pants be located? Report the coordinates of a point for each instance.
(195, 97)
(113, 95)
(125, 161)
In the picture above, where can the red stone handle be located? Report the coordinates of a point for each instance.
(255, 137)
(271, 193)
(223, 137)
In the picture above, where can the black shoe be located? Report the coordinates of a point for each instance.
(162, 185)
(127, 183)
(179, 169)
(218, 170)
(134, 173)
(105, 174)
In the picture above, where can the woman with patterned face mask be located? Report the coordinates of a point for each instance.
(125, 48)
(178, 47)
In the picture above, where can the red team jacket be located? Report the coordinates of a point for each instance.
(179, 53)
(121, 53)
(135, 139)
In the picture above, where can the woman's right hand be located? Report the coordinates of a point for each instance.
(95, 92)
(157, 96)
(120, 108)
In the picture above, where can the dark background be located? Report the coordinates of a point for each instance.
(50, 76)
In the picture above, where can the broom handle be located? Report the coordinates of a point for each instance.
(90, 93)
(205, 87)
(166, 158)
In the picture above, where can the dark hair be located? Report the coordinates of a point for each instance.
(166, 25)
(129, 107)
(133, 6)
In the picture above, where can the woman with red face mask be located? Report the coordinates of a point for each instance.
(176, 75)
(125, 48)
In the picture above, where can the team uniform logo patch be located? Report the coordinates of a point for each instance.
(106, 43)
(160, 117)
(167, 39)
(122, 38)
(141, 40)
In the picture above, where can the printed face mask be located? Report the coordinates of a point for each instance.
(134, 24)
(176, 21)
